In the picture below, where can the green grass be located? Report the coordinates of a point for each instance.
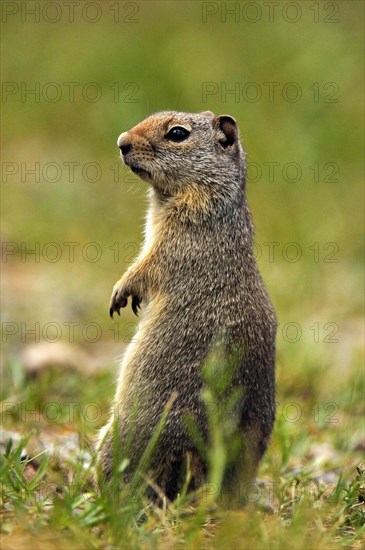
(313, 470)
(310, 494)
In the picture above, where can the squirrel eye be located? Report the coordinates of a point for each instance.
(177, 133)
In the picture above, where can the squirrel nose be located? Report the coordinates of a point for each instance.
(123, 143)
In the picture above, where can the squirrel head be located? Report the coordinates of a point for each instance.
(175, 151)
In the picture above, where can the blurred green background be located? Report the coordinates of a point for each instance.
(291, 74)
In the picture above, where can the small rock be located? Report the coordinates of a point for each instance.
(38, 357)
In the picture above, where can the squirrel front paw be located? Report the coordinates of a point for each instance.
(119, 299)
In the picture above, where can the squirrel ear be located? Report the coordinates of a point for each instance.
(208, 114)
(228, 126)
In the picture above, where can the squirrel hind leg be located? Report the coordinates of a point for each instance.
(178, 473)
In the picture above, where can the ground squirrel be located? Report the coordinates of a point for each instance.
(198, 279)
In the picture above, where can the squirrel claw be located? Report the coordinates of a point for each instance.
(118, 301)
(136, 303)
(112, 310)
